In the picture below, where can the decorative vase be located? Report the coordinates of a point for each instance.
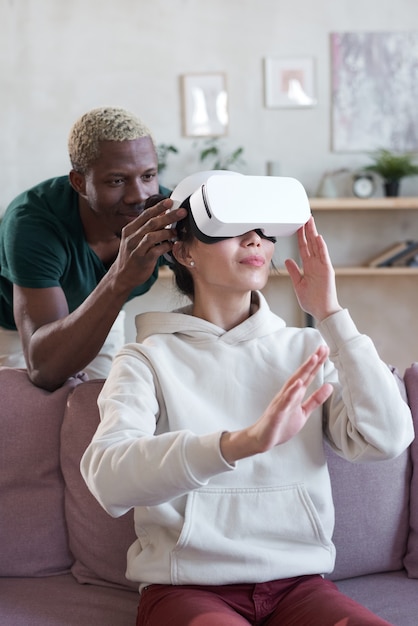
(391, 187)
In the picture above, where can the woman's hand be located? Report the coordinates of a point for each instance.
(284, 417)
(314, 283)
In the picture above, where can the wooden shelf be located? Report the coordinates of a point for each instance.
(400, 212)
(382, 300)
(351, 204)
(165, 273)
(357, 204)
(359, 271)
(376, 271)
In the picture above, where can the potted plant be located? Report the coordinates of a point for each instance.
(392, 167)
(212, 149)
(163, 150)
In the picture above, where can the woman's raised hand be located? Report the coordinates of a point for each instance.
(284, 417)
(314, 282)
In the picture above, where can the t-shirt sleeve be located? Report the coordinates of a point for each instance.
(33, 250)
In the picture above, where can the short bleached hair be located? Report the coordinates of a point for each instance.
(102, 124)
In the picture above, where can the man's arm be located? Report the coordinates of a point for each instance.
(58, 344)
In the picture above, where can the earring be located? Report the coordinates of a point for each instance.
(191, 263)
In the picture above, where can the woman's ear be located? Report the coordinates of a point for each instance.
(181, 253)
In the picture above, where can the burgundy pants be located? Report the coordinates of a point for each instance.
(301, 601)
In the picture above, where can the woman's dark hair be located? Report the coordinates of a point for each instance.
(182, 275)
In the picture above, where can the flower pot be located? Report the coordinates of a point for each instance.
(391, 187)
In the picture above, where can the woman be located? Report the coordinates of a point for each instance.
(213, 428)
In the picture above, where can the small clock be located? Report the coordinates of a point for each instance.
(363, 185)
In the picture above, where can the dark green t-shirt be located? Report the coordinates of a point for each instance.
(42, 244)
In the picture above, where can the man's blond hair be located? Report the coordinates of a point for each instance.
(101, 124)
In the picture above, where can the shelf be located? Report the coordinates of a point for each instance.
(359, 271)
(376, 271)
(355, 231)
(166, 273)
(357, 204)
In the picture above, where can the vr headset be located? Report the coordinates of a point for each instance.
(227, 204)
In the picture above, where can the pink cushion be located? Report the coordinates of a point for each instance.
(98, 542)
(411, 558)
(33, 534)
(61, 601)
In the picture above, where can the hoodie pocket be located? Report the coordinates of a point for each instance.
(254, 527)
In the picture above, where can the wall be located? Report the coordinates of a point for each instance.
(59, 59)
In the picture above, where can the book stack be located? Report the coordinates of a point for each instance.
(401, 254)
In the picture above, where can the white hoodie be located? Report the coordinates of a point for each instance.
(169, 397)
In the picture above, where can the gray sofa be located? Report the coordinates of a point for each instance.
(62, 558)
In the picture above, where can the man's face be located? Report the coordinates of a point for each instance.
(118, 183)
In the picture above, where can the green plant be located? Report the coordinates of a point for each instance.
(212, 149)
(163, 150)
(392, 166)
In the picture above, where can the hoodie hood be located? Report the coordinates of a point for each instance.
(181, 322)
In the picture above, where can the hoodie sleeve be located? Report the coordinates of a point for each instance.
(367, 418)
(126, 465)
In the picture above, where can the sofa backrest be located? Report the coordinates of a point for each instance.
(98, 542)
(376, 527)
(45, 502)
(371, 514)
(371, 500)
(371, 511)
(33, 533)
(411, 558)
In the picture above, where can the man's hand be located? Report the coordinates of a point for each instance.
(143, 241)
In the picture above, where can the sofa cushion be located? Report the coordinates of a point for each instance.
(98, 542)
(371, 514)
(391, 595)
(371, 511)
(61, 601)
(411, 558)
(33, 532)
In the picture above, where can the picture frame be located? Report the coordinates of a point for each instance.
(373, 103)
(289, 83)
(204, 100)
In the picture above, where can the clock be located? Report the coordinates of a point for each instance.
(363, 185)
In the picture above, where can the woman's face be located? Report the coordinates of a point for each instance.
(236, 264)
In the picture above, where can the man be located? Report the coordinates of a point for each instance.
(74, 249)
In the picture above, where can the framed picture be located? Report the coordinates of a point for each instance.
(374, 91)
(289, 83)
(204, 105)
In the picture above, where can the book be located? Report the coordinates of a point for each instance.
(407, 259)
(396, 253)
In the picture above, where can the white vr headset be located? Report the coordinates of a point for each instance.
(228, 204)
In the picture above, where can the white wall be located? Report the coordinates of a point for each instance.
(59, 59)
